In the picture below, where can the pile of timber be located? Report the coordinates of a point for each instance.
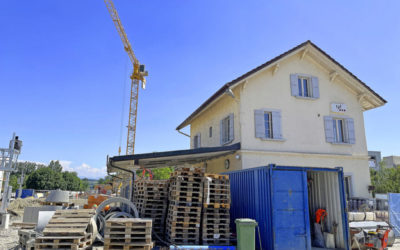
(185, 203)
(68, 229)
(215, 215)
(128, 233)
(151, 200)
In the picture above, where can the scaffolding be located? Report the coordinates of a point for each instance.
(8, 164)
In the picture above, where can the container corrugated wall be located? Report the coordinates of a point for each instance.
(325, 194)
(251, 196)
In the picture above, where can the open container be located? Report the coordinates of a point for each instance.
(283, 200)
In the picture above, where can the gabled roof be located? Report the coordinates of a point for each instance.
(271, 62)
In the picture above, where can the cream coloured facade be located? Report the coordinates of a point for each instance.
(274, 124)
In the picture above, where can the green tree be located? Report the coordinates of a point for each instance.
(56, 166)
(72, 181)
(386, 180)
(162, 173)
(46, 179)
(14, 182)
(84, 185)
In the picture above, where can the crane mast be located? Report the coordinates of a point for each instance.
(137, 77)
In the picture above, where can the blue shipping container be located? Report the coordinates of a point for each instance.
(25, 193)
(283, 201)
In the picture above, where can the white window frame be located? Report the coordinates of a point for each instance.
(300, 86)
(270, 126)
(225, 130)
(337, 131)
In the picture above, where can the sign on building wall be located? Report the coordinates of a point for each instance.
(338, 107)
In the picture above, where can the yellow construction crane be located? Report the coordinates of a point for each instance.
(138, 75)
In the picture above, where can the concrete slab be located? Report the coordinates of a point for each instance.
(31, 213)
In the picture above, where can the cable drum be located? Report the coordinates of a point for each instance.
(101, 217)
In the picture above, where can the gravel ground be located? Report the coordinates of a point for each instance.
(9, 238)
(396, 245)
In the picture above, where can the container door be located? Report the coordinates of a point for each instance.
(290, 218)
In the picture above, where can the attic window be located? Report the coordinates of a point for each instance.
(304, 84)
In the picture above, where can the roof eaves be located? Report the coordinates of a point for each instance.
(251, 72)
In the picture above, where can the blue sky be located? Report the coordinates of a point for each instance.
(63, 68)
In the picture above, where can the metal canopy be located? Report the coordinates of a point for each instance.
(168, 158)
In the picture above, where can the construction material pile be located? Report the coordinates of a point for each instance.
(68, 229)
(185, 202)
(128, 233)
(215, 215)
(151, 200)
(20, 204)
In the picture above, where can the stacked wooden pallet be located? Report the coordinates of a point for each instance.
(184, 211)
(68, 229)
(151, 200)
(127, 234)
(215, 215)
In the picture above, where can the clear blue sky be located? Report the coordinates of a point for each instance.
(63, 68)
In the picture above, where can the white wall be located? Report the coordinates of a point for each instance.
(212, 117)
(302, 123)
(302, 119)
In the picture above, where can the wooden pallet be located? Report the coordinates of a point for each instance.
(63, 242)
(182, 224)
(194, 218)
(127, 247)
(67, 229)
(180, 178)
(175, 183)
(181, 241)
(184, 209)
(69, 223)
(189, 168)
(212, 210)
(128, 223)
(224, 230)
(175, 193)
(186, 173)
(216, 242)
(216, 216)
(217, 205)
(217, 176)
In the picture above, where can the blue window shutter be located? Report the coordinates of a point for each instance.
(329, 137)
(351, 131)
(259, 123)
(315, 87)
(231, 127)
(294, 86)
(276, 125)
(221, 132)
